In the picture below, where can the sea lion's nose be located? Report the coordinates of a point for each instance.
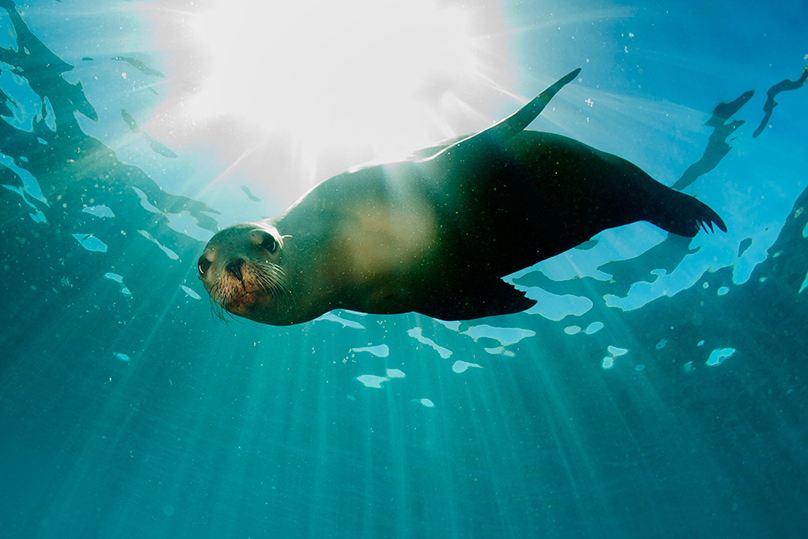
(234, 267)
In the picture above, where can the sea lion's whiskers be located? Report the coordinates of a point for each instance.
(279, 283)
(270, 278)
(218, 303)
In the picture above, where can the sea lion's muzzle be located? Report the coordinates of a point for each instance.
(235, 267)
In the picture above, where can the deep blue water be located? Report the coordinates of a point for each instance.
(657, 390)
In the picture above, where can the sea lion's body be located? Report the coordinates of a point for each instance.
(435, 233)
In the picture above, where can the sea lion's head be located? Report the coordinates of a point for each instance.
(242, 271)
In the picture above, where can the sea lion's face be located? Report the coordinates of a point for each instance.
(241, 269)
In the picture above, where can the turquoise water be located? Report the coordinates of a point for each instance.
(657, 389)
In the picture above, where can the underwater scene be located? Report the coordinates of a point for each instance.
(613, 379)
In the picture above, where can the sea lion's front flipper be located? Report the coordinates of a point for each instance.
(491, 297)
(520, 119)
(510, 126)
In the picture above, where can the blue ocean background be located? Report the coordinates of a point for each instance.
(658, 389)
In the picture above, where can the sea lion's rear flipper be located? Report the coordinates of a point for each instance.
(682, 214)
(636, 196)
(510, 126)
(491, 297)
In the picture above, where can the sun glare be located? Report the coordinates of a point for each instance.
(368, 72)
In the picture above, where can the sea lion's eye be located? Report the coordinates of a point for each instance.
(270, 244)
(203, 265)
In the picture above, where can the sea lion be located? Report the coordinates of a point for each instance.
(435, 233)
